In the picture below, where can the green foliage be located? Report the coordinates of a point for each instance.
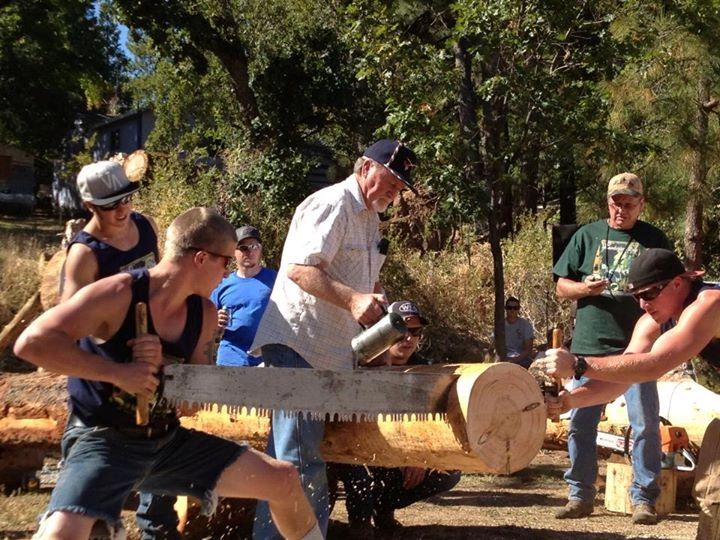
(57, 58)
(454, 289)
(455, 293)
(176, 183)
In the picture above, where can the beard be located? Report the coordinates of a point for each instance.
(380, 205)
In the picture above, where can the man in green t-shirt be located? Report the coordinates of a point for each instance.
(593, 271)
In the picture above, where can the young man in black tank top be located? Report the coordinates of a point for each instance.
(681, 321)
(104, 460)
(116, 239)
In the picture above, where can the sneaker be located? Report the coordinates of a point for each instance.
(575, 509)
(644, 514)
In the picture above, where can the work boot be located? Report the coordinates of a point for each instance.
(644, 514)
(575, 509)
(385, 521)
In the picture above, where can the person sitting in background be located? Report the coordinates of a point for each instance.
(376, 492)
(519, 335)
(241, 299)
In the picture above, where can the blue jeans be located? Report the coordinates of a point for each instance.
(644, 415)
(156, 517)
(298, 441)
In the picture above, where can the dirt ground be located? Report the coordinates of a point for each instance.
(480, 507)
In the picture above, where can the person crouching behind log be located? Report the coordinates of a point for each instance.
(106, 454)
(378, 491)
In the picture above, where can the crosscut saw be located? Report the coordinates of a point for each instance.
(357, 395)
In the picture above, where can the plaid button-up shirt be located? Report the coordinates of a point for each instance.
(335, 227)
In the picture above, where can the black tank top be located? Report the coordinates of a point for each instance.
(99, 403)
(112, 260)
(711, 352)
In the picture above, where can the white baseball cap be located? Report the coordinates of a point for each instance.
(104, 182)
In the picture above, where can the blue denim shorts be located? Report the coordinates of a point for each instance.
(101, 467)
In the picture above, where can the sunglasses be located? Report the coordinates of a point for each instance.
(228, 260)
(627, 207)
(248, 247)
(652, 293)
(113, 205)
(512, 308)
(415, 332)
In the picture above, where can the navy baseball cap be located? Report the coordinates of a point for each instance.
(247, 231)
(396, 157)
(406, 308)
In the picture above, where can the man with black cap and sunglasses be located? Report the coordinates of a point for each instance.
(681, 321)
(593, 270)
(327, 286)
(241, 299)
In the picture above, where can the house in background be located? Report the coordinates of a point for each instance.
(18, 183)
(125, 134)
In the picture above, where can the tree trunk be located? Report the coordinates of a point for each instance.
(477, 169)
(696, 182)
(493, 128)
(568, 209)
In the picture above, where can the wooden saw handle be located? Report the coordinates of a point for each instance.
(142, 410)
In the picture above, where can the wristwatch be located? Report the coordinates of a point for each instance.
(581, 366)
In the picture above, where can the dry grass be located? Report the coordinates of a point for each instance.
(19, 259)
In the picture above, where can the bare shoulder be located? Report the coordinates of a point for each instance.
(706, 303)
(80, 254)
(97, 309)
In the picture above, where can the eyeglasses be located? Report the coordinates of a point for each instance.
(415, 332)
(228, 260)
(652, 293)
(113, 205)
(248, 247)
(512, 308)
(623, 206)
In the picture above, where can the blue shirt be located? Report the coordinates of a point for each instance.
(246, 300)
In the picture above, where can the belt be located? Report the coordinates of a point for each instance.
(152, 431)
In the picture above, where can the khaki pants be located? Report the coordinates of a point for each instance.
(707, 484)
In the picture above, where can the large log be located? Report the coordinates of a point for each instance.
(683, 403)
(495, 422)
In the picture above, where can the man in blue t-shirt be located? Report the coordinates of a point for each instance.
(241, 299)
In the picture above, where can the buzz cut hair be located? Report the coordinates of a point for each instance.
(199, 227)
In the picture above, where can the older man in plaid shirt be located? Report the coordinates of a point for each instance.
(326, 287)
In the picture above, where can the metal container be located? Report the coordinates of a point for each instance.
(377, 339)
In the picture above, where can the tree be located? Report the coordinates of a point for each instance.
(497, 94)
(57, 58)
(664, 98)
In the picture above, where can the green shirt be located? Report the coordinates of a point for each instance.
(604, 323)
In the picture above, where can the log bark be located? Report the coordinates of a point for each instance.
(50, 280)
